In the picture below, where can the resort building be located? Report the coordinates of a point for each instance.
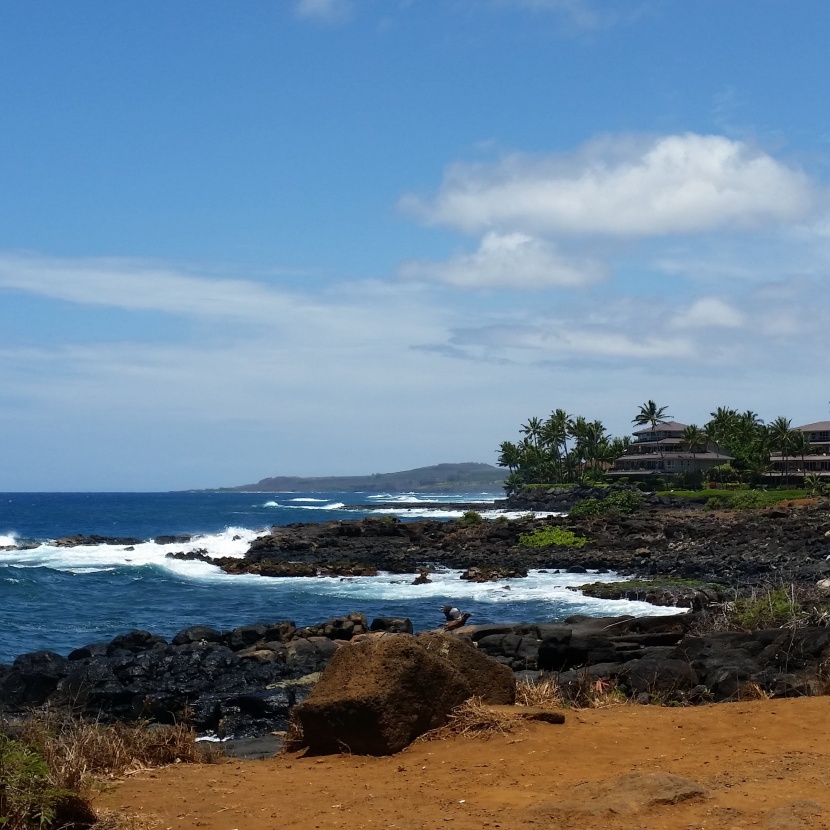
(659, 451)
(815, 460)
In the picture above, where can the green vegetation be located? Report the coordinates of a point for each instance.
(571, 449)
(27, 797)
(737, 499)
(471, 518)
(451, 478)
(777, 607)
(53, 764)
(621, 503)
(549, 536)
(563, 448)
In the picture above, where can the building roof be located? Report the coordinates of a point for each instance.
(663, 426)
(818, 426)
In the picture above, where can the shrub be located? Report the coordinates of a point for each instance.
(743, 499)
(587, 507)
(549, 536)
(27, 798)
(621, 502)
(777, 607)
(471, 518)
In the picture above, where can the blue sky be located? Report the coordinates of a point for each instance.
(351, 236)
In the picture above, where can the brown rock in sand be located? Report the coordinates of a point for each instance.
(375, 698)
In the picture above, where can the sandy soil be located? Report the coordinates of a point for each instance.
(755, 764)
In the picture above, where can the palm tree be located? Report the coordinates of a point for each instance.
(722, 425)
(577, 429)
(533, 430)
(554, 438)
(693, 439)
(594, 437)
(781, 438)
(650, 414)
(800, 445)
(510, 456)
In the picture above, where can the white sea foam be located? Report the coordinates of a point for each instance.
(233, 541)
(326, 505)
(7, 540)
(431, 498)
(449, 513)
(539, 588)
(322, 501)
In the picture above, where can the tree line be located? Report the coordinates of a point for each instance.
(568, 449)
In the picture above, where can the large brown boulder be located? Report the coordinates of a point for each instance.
(493, 682)
(376, 697)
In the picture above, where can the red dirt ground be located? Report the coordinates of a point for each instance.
(763, 764)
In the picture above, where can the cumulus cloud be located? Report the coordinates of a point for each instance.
(709, 312)
(326, 11)
(512, 260)
(622, 187)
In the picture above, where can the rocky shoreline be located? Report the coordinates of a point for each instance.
(244, 682)
(733, 549)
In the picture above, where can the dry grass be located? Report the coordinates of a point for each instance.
(78, 755)
(293, 740)
(544, 694)
(474, 719)
(752, 691)
(584, 692)
(78, 752)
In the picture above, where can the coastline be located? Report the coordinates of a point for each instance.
(244, 681)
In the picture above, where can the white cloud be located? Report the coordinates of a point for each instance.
(709, 312)
(140, 286)
(623, 187)
(334, 375)
(513, 260)
(326, 11)
(573, 339)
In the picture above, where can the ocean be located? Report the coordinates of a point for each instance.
(60, 598)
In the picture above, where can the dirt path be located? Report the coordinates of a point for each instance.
(756, 764)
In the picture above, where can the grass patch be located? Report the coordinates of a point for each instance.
(774, 608)
(544, 694)
(28, 797)
(51, 764)
(737, 499)
(620, 503)
(547, 537)
(584, 692)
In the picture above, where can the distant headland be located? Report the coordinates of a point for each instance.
(454, 478)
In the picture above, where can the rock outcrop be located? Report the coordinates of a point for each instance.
(739, 547)
(241, 682)
(376, 697)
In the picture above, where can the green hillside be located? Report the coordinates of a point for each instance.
(468, 476)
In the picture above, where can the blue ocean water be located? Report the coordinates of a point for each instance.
(60, 598)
